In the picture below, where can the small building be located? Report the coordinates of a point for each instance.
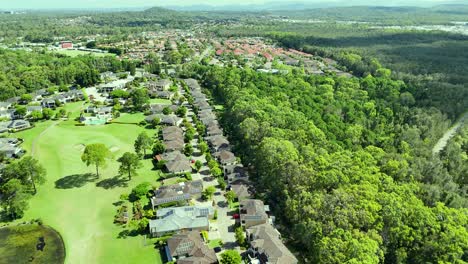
(189, 248)
(5, 105)
(241, 190)
(178, 163)
(226, 157)
(66, 44)
(174, 146)
(48, 103)
(266, 246)
(179, 192)
(218, 143)
(18, 125)
(10, 147)
(253, 212)
(175, 219)
(192, 84)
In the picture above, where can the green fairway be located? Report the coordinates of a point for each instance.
(130, 118)
(78, 205)
(74, 53)
(31, 243)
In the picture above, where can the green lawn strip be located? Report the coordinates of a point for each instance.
(215, 243)
(160, 101)
(74, 53)
(80, 206)
(31, 243)
(130, 118)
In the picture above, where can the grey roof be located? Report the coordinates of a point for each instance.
(177, 192)
(241, 191)
(178, 164)
(171, 130)
(218, 142)
(5, 104)
(225, 157)
(191, 244)
(179, 218)
(267, 241)
(158, 108)
(192, 84)
(31, 108)
(253, 209)
(19, 123)
(171, 145)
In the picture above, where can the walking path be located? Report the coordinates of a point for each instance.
(442, 143)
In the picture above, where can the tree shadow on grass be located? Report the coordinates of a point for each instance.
(127, 233)
(74, 181)
(113, 182)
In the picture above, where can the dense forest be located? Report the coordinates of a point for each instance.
(346, 163)
(26, 72)
(433, 63)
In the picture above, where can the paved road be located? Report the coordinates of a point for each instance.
(442, 143)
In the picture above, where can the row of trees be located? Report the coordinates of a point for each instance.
(18, 183)
(344, 162)
(26, 72)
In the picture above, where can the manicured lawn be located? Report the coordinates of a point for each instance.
(130, 118)
(78, 205)
(23, 244)
(160, 101)
(74, 53)
(215, 243)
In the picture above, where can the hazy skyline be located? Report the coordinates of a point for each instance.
(52, 4)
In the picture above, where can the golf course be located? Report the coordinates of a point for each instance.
(73, 201)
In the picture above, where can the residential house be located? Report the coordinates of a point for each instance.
(214, 131)
(253, 212)
(189, 248)
(225, 157)
(163, 84)
(266, 246)
(178, 163)
(158, 108)
(218, 143)
(167, 131)
(32, 108)
(20, 124)
(7, 114)
(176, 145)
(48, 103)
(179, 192)
(169, 120)
(175, 219)
(192, 84)
(241, 190)
(112, 86)
(234, 172)
(5, 105)
(164, 95)
(10, 147)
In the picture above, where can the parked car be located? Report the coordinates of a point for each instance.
(236, 216)
(217, 249)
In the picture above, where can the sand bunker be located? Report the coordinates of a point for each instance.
(114, 149)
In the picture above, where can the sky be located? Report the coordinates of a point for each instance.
(53, 4)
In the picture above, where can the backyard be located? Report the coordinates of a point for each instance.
(77, 204)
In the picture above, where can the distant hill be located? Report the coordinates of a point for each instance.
(158, 9)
